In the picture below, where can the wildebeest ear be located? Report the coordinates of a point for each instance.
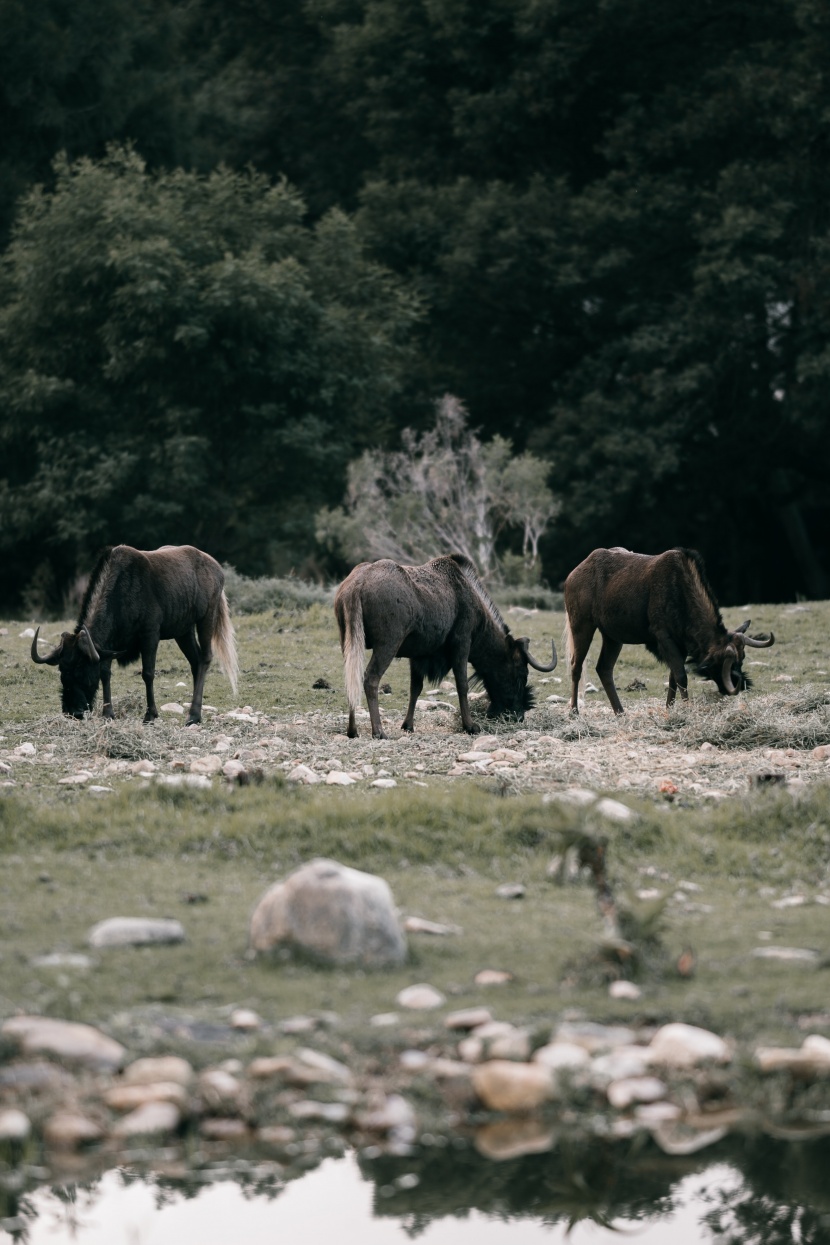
(86, 646)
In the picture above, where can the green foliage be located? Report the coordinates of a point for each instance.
(184, 360)
(248, 595)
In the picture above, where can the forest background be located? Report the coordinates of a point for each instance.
(245, 246)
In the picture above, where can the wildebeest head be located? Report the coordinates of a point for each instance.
(79, 663)
(724, 663)
(506, 682)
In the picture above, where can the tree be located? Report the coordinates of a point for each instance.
(444, 492)
(184, 360)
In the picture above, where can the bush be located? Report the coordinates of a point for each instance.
(257, 595)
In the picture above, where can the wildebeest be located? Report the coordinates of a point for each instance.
(135, 599)
(440, 617)
(663, 601)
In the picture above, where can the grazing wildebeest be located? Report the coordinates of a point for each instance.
(440, 617)
(135, 599)
(663, 601)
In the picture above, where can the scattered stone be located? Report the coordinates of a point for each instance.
(74, 780)
(62, 959)
(792, 955)
(389, 1114)
(420, 997)
(200, 782)
(156, 1069)
(614, 810)
(496, 1040)
(135, 931)
(148, 1120)
(595, 1037)
(14, 1125)
(385, 784)
(294, 1025)
(511, 890)
(76, 1043)
(418, 925)
(341, 915)
(563, 1057)
(492, 977)
(653, 1114)
(172, 707)
(245, 1019)
(385, 1020)
(812, 1057)
(330, 1070)
(581, 796)
(219, 1088)
(511, 1139)
(69, 1130)
(328, 1112)
(619, 1064)
(206, 765)
(471, 758)
(131, 1097)
(223, 1128)
(276, 1135)
(624, 990)
(338, 778)
(505, 1086)
(234, 770)
(674, 1138)
(28, 634)
(630, 1090)
(468, 1018)
(789, 901)
(510, 755)
(822, 752)
(684, 1046)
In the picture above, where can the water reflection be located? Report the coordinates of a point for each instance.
(744, 1191)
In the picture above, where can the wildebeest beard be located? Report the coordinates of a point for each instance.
(505, 707)
(713, 670)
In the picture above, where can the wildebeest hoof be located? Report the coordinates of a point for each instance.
(473, 729)
(408, 726)
(378, 735)
(149, 717)
(193, 721)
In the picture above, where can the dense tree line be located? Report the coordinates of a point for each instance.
(603, 224)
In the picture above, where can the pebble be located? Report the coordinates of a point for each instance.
(69, 1130)
(245, 1019)
(77, 1043)
(420, 997)
(172, 707)
(154, 1069)
(634, 1089)
(131, 1097)
(564, 1057)
(338, 778)
(25, 750)
(580, 796)
(135, 931)
(150, 1119)
(793, 955)
(385, 783)
(624, 990)
(684, 1046)
(206, 765)
(614, 810)
(222, 1128)
(14, 1124)
(219, 1088)
(330, 1070)
(468, 1018)
(511, 890)
(233, 769)
(492, 977)
(418, 925)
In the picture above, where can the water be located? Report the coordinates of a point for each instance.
(745, 1191)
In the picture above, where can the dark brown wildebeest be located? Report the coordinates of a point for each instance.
(440, 617)
(135, 599)
(663, 601)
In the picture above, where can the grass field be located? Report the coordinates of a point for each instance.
(444, 838)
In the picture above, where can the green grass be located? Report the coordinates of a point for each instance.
(68, 859)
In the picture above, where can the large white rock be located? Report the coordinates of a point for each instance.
(153, 1069)
(76, 1043)
(14, 1125)
(505, 1086)
(683, 1046)
(338, 914)
(134, 931)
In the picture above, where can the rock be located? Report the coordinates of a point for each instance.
(302, 773)
(28, 634)
(505, 1086)
(794, 955)
(391, 1114)
(470, 758)
(385, 783)
(510, 1139)
(418, 925)
(25, 750)
(384, 1020)
(624, 990)
(510, 755)
(822, 752)
(76, 1043)
(684, 1046)
(812, 1057)
(149, 1120)
(299, 1024)
(581, 796)
(633, 1089)
(69, 1130)
(172, 707)
(496, 1040)
(563, 1057)
(245, 1019)
(223, 1128)
(674, 1138)
(14, 1125)
(420, 997)
(74, 780)
(340, 915)
(233, 770)
(219, 1088)
(135, 931)
(328, 1112)
(622, 1063)
(492, 977)
(595, 1037)
(131, 1097)
(653, 1114)
(468, 1018)
(200, 782)
(63, 959)
(155, 1069)
(276, 1134)
(511, 890)
(337, 778)
(206, 765)
(613, 810)
(331, 1071)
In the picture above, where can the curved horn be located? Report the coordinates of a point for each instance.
(54, 656)
(726, 671)
(524, 645)
(752, 642)
(86, 645)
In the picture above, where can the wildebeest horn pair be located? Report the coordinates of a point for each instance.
(54, 657)
(752, 641)
(524, 644)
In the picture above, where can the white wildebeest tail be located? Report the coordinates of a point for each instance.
(224, 643)
(353, 641)
(568, 643)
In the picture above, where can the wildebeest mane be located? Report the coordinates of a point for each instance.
(469, 572)
(700, 569)
(95, 579)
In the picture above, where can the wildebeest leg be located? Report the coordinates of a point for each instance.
(378, 663)
(106, 678)
(459, 669)
(677, 670)
(148, 672)
(416, 686)
(608, 655)
(580, 643)
(204, 629)
(187, 643)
